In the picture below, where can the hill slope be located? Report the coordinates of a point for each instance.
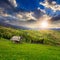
(48, 36)
(28, 51)
(10, 51)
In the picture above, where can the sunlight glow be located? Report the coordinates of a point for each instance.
(44, 24)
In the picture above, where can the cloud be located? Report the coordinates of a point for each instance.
(30, 18)
(51, 4)
(7, 11)
(25, 16)
(18, 16)
(13, 2)
(56, 18)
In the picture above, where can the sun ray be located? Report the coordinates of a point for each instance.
(44, 24)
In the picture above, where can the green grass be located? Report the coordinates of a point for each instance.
(10, 51)
(51, 37)
(50, 50)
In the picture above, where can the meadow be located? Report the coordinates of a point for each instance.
(49, 50)
(10, 51)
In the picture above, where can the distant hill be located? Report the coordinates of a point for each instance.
(51, 37)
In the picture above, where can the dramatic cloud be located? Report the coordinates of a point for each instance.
(29, 13)
(7, 11)
(56, 18)
(13, 2)
(26, 16)
(51, 4)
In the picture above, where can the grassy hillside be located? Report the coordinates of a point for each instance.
(26, 50)
(51, 37)
(10, 51)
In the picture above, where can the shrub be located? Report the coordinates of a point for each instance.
(31, 36)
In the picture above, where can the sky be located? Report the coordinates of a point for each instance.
(30, 13)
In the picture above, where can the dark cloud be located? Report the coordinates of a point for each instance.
(50, 1)
(56, 18)
(6, 7)
(7, 2)
(26, 13)
(38, 13)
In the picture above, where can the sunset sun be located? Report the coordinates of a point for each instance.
(44, 24)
